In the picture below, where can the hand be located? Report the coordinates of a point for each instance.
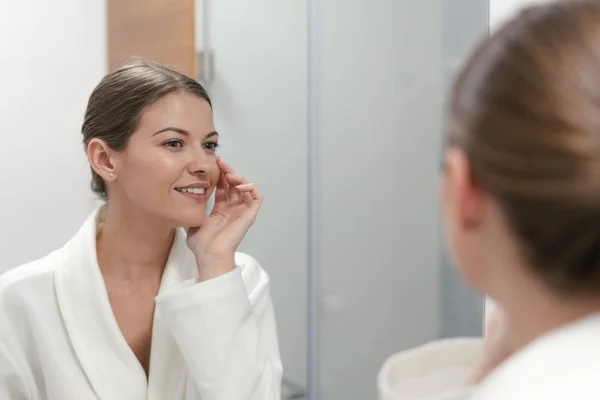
(496, 346)
(214, 243)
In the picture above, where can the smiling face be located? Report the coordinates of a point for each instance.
(168, 169)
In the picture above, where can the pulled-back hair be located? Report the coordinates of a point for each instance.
(526, 111)
(117, 103)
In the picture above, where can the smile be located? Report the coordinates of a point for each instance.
(191, 190)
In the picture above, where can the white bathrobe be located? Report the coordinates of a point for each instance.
(59, 340)
(562, 365)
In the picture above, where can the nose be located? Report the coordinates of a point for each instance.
(199, 164)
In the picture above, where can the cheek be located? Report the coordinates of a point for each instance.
(152, 171)
(215, 173)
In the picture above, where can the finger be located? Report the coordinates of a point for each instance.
(242, 224)
(245, 190)
(234, 181)
(234, 194)
(247, 199)
(222, 189)
(251, 195)
(226, 168)
(256, 194)
(244, 221)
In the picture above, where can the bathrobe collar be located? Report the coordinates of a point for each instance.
(111, 366)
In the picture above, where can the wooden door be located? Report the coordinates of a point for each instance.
(160, 30)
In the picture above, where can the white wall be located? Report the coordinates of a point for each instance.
(53, 54)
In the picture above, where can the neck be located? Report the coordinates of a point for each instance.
(533, 310)
(132, 246)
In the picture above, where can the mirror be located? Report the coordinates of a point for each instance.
(334, 109)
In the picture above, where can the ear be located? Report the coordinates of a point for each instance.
(99, 156)
(463, 197)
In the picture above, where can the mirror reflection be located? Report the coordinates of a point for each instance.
(333, 111)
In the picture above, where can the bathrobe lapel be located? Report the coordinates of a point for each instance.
(110, 365)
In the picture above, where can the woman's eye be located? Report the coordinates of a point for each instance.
(211, 146)
(173, 143)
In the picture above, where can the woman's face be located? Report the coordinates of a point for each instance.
(169, 168)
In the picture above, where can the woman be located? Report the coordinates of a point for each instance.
(521, 200)
(81, 322)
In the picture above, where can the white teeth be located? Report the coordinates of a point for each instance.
(192, 190)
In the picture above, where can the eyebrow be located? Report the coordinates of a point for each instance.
(183, 132)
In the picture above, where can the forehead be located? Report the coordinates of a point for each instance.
(181, 110)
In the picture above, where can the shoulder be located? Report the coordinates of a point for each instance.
(570, 356)
(579, 383)
(556, 383)
(29, 281)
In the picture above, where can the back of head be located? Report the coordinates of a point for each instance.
(526, 112)
(118, 101)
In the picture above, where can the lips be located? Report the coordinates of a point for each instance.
(191, 190)
(196, 188)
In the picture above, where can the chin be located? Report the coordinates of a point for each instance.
(187, 218)
(192, 220)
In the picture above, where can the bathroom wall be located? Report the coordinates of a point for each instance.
(53, 54)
